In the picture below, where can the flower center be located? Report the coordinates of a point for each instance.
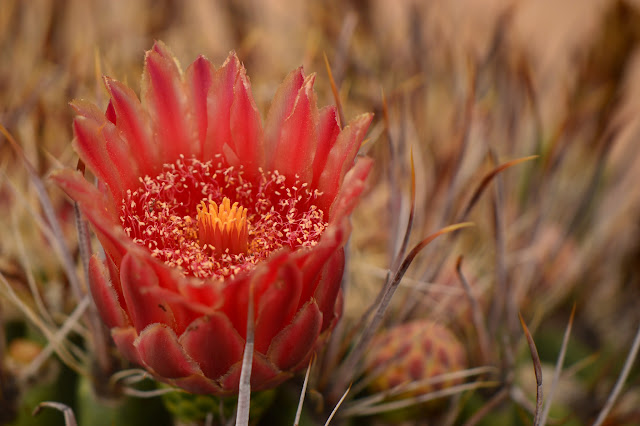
(223, 227)
(185, 217)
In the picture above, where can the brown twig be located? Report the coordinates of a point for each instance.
(537, 367)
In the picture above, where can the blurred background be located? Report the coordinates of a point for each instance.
(469, 87)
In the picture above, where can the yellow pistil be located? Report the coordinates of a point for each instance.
(223, 227)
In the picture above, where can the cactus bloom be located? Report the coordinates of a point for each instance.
(197, 207)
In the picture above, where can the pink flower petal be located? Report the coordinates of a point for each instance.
(214, 344)
(104, 295)
(134, 123)
(327, 293)
(124, 339)
(352, 187)
(87, 109)
(328, 131)
(277, 306)
(340, 158)
(263, 374)
(295, 342)
(165, 99)
(144, 307)
(199, 77)
(117, 149)
(97, 209)
(235, 294)
(312, 262)
(281, 108)
(198, 384)
(219, 101)
(160, 351)
(293, 154)
(246, 125)
(92, 148)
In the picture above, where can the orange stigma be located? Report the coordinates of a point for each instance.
(224, 227)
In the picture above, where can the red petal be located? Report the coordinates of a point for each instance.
(246, 126)
(235, 294)
(87, 109)
(119, 153)
(133, 121)
(199, 78)
(165, 98)
(214, 344)
(98, 210)
(329, 287)
(219, 100)
(104, 295)
(277, 306)
(99, 144)
(352, 187)
(328, 131)
(198, 384)
(296, 146)
(295, 342)
(124, 339)
(340, 158)
(171, 280)
(110, 114)
(263, 373)
(281, 108)
(92, 148)
(144, 307)
(160, 351)
(312, 262)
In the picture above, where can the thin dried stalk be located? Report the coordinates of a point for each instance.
(476, 312)
(335, 409)
(296, 421)
(558, 370)
(244, 392)
(633, 352)
(537, 366)
(407, 402)
(45, 202)
(69, 417)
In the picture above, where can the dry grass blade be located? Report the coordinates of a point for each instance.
(67, 259)
(244, 391)
(26, 265)
(633, 352)
(405, 239)
(476, 312)
(58, 345)
(420, 384)
(129, 376)
(558, 370)
(57, 340)
(496, 400)
(487, 179)
(69, 417)
(303, 392)
(407, 402)
(537, 366)
(412, 213)
(146, 394)
(335, 409)
(347, 368)
(334, 90)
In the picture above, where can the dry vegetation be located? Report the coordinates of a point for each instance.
(470, 88)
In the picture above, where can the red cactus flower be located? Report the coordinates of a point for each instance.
(197, 206)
